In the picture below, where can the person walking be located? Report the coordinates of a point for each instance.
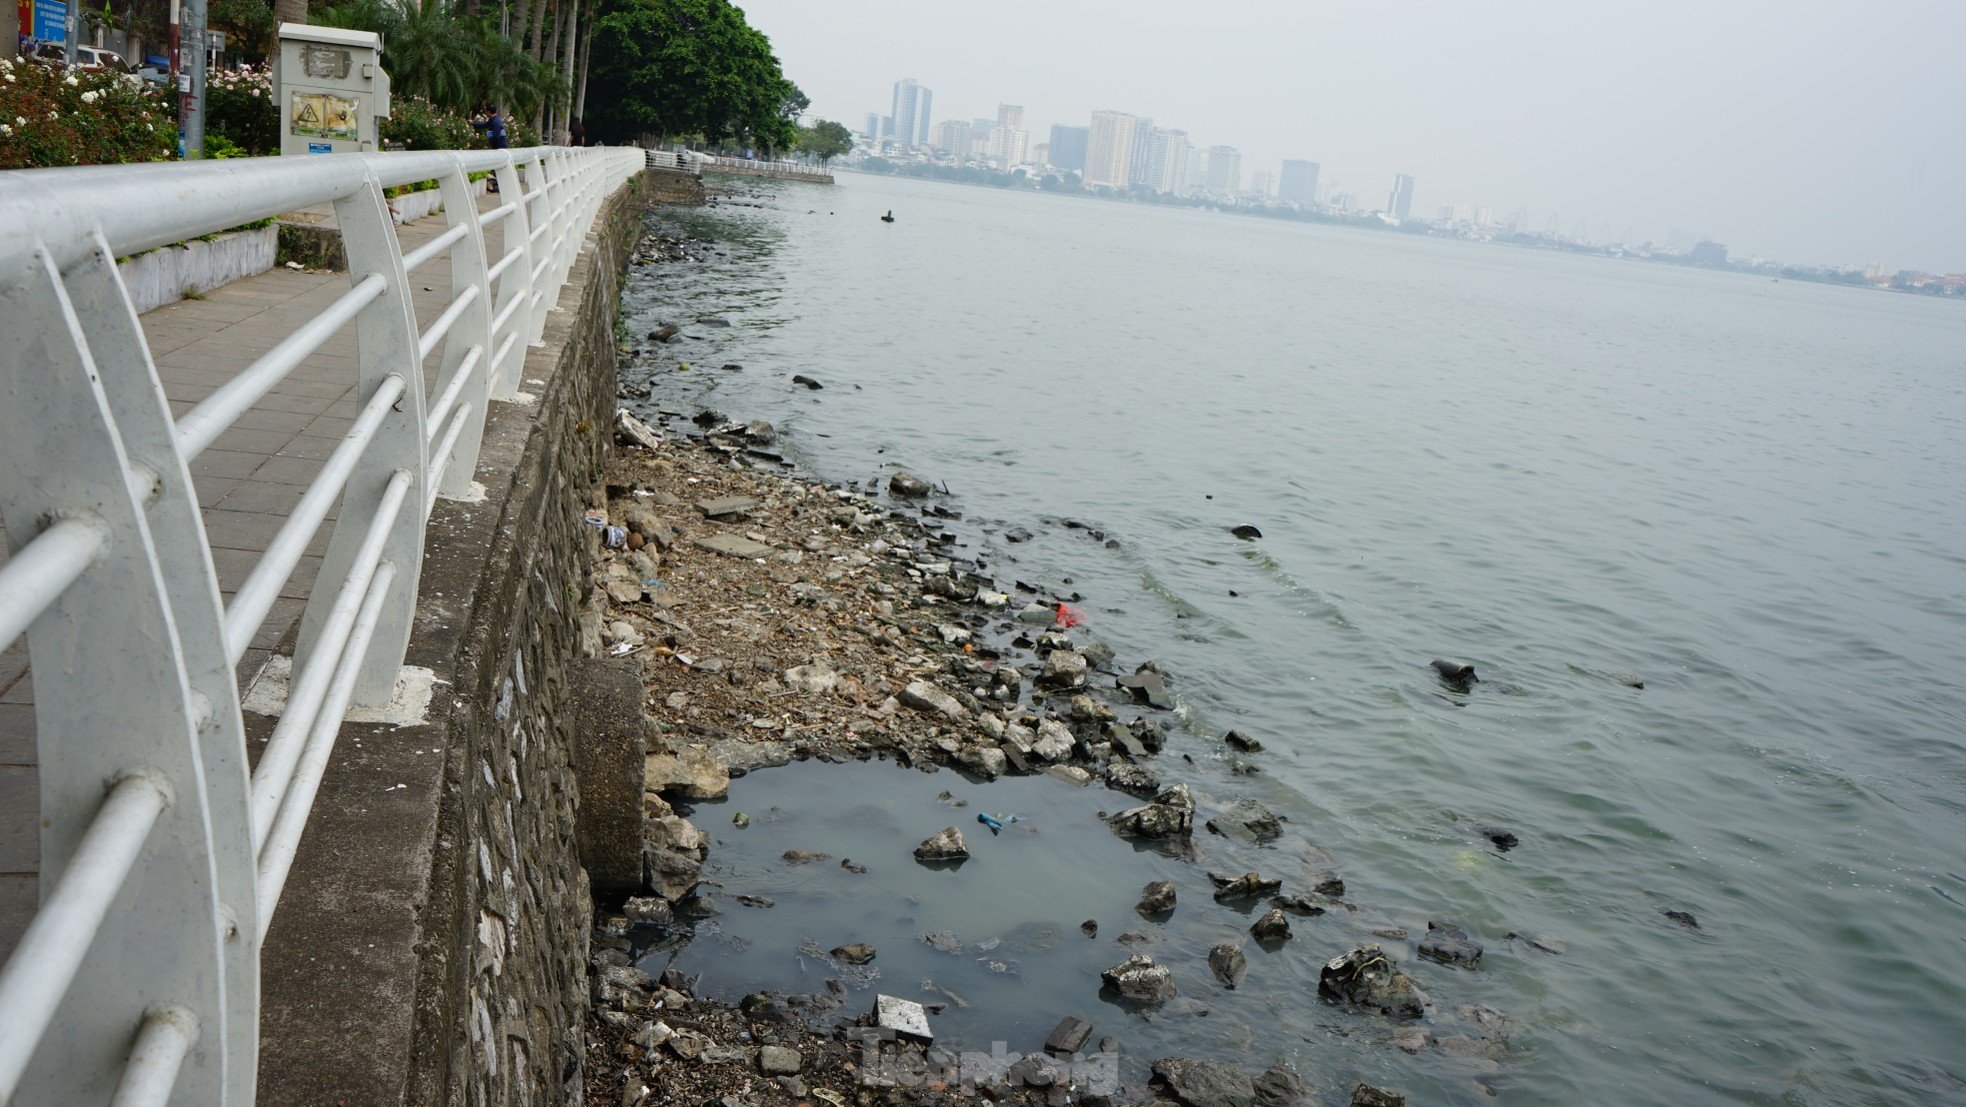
(577, 132)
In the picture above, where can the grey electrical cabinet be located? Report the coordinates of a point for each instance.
(331, 90)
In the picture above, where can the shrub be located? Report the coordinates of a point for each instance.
(420, 126)
(50, 115)
(239, 106)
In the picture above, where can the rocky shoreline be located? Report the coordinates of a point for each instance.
(780, 619)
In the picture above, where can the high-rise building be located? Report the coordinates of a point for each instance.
(1164, 167)
(1224, 169)
(1010, 143)
(1299, 182)
(911, 108)
(873, 127)
(953, 136)
(1260, 182)
(1041, 154)
(1400, 201)
(1068, 147)
(1109, 148)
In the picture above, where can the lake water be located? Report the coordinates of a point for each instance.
(1751, 495)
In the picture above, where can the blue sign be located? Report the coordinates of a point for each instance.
(320, 148)
(51, 20)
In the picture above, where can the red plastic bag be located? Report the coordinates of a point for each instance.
(1069, 616)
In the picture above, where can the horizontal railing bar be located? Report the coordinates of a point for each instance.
(505, 313)
(435, 479)
(435, 417)
(541, 229)
(539, 271)
(435, 333)
(277, 859)
(163, 1041)
(262, 587)
(415, 258)
(140, 207)
(486, 219)
(202, 425)
(504, 263)
(37, 575)
(504, 347)
(57, 941)
(304, 697)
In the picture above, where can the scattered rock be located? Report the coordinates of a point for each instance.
(1171, 814)
(733, 545)
(1683, 918)
(1450, 945)
(1237, 740)
(804, 856)
(1272, 927)
(801, 378)
(1246, 532)
(859, 953)
(923, 696)
(946, 845)
(1365, 1095)
(988, 762)
(1504, 839)
(1062, 669)
(1411, 1039)
(816, 677)
(906, 484)
(1246, 886)
(1460, 674)
(1228, 964)
(1089, 928)
(1538, 942)
(633, 432)
(1309, 906)
(1194, 1083)
(691, 773)
(906, 1018)
(1054, 741)
(1068, 1037)
(1134, 780)
(1157, 898)
(759, 432)
(1281, 1086)
(944, 941)
(1366, 978)
(1148, 686)
(1248, 820)
(779, 1061)
(648, 909)
(1138, 978)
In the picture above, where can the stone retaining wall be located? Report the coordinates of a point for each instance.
(431, 947)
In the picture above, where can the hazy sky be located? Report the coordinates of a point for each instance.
(1816, 131)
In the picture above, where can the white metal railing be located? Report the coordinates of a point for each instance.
(757, 165)
(678, 163)
(162, 857)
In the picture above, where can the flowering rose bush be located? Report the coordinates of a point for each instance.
(239, 106)
(50, 115)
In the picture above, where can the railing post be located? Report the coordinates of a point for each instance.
(121, 731)
(468, 346)
(515, 284)
(386, 345)
(544, 291)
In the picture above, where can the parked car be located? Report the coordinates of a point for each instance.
(86, 57)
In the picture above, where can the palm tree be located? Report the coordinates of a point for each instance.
(289, 11)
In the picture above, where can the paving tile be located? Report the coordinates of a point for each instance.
(17, 745)
(20, 817)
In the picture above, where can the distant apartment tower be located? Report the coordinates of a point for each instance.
(1109, 148)
(1299, 182)
(1224, 169)
(1400, 202)
(873, 127)
(1165, 166)
(1010, 143)
(911, 107)
(954, 136)
(1068, 147)
(1261, 183)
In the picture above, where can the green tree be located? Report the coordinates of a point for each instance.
(825, 140)
(688, 68)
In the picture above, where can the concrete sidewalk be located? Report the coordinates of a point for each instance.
(248, 482)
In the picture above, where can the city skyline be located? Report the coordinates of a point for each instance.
(1679, 116)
